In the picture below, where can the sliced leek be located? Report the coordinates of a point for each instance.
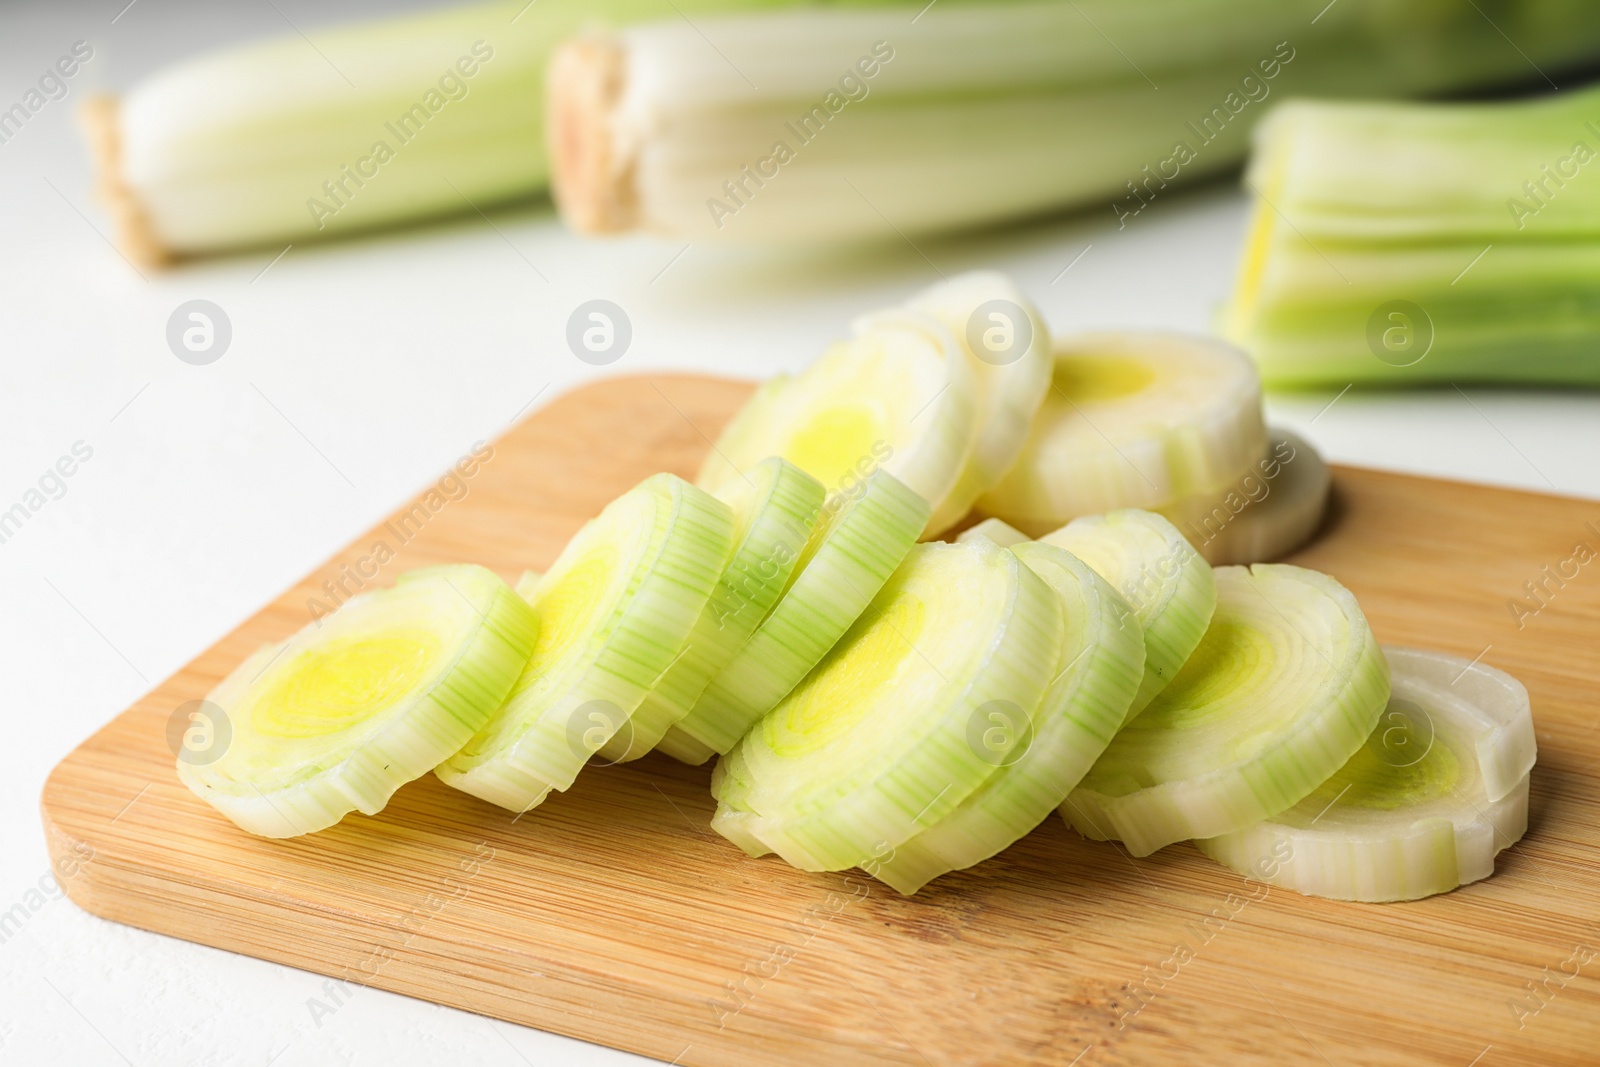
(1171, 589)
(775, 507)
(615, 611)
(1001, 533)
(1008, 347)
(1424, 243)
(343, 713)
(1136, 420)
(853, 550)
(898, 396)
(818, 124)
(1098, 671)
(1439, 788)
(1268, 512)
(374, 123)
(877, 744)
(1287, 683)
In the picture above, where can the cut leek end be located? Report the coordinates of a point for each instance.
(995, 531)
(1424, 806)
(592, 187)
(360, 702)
(100, 117)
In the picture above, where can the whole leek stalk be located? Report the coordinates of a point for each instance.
(365, 125)
(1417, 243)
(818, 124)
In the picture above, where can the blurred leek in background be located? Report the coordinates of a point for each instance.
(1397, 243)
(364, 125)
(816, 124)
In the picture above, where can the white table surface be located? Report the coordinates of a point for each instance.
(356, 373)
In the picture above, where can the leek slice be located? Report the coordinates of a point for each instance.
(1170, 588)
(615, 610)
(1097, 674)
(851, 554)
(1008, 346)
(1133, 420)
(353, 706)
(1287, 683)
(1267, 513)
(774, 508)
(1439, 788)
(898, 396)
(1001, 533)
(876, 745)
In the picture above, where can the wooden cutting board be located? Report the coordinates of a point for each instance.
(613, 913)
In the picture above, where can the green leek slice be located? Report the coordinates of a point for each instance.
(775, 507)
(1170, 587)
(1008, 347)
(877, 744)
(1439, 788)
(898, 396)
(1265, 514)
(1137, 420)
(851, 554)
(1097, 674)
(350, 708)
(1287, 683)
(615, 610)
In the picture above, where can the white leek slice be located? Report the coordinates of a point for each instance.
(851, 554)
(1038, 762)
(1286, 685)
(1136, 420)
(877, 744)
(1171, 589)
(1270, 510)
(898, 396)
(342, 714)
(775, 507)
(1008, 347)
(1001, 533)
(614, 612)
(1439, 788)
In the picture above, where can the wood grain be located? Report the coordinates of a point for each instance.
(612, 913)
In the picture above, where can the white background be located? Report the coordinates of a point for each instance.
(356, 373)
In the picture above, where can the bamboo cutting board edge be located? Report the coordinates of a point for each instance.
(638, 949)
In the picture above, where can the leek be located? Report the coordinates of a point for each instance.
(1270, 510)
(1437, 791)
(1424, 243)
(814, 125)
(615, 611)
(876, 744)
(1287, 683)
(855, 547)
(365, 125)
(343, 713)
(1040, 760)
(1133, 420)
